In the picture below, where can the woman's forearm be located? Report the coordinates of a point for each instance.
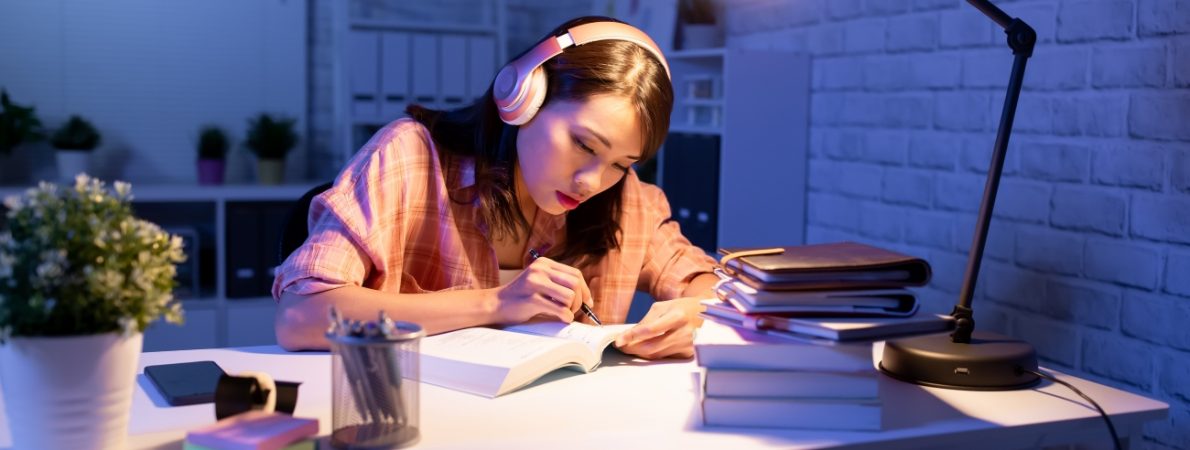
(302, 320)
(702, 286)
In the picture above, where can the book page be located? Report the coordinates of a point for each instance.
(487, 346)
(594, 337)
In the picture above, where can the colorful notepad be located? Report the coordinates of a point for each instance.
(255, 430)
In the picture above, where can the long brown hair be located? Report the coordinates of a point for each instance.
(612, 67)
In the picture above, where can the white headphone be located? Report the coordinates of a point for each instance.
(519, 89)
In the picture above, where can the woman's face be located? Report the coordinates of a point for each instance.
(573, 150)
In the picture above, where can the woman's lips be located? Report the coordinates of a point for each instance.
(566, 201)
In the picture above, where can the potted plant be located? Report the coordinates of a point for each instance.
(212, 153)
(699, 28)
(18, 124)
(74, 140)
(270, 139)
(83, 278)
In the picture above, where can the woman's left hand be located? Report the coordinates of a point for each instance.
(666, 331)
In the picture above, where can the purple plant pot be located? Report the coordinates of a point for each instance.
(210, 171)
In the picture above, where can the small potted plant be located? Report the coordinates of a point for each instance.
(75, 140)
(212, 154)
(270, 139)
(18, 124)
(699, 25)
(83, 277)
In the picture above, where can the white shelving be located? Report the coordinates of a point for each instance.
(756, 103)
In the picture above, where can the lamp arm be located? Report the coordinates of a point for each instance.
(1021, 39)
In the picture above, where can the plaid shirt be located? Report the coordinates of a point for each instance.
(388, 223)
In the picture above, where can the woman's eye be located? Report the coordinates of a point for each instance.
(621, 168)
(583, 146)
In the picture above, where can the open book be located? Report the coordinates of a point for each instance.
(491, 362)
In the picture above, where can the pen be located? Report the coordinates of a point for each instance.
(586, 309)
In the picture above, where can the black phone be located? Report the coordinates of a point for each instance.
(188, 383)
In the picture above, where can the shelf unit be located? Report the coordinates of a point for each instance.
(200, 215)
(391, 59)
(734, 165)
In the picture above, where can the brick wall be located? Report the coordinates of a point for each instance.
(1088, 256)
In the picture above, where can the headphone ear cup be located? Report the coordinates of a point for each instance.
(535, 88)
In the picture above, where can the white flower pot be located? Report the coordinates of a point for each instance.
(71, 163)
(72, 392)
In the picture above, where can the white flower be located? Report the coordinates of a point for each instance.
(123, 190)
(127, 326)
(13, 203)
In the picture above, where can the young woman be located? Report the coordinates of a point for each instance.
(435, 219)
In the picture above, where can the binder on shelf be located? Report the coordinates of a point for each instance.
(425, 68)
(395, 64)
(453, 62)
(481, 65)
(363, 52)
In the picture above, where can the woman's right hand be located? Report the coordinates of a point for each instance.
(545, 288)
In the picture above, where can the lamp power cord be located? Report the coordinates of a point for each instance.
(1115, 439)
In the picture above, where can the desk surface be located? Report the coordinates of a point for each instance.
(628, 401)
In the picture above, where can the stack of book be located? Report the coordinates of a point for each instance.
(843, 278)
(789, 342)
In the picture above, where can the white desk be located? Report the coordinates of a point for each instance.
(637, 404)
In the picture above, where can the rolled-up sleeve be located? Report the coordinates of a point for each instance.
(671, 261)
(356, 225)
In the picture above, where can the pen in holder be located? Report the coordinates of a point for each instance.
(374, 382)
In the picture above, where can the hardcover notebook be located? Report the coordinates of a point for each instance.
(839, 265)
(850, 303)
(491, 362)
(833, 328)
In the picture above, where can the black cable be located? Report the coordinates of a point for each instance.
(1115, 440)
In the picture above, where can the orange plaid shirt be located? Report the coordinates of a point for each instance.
(388, 223)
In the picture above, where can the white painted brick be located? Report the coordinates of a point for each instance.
(1137, 165)
(1157, 319)
(1156, 17)
(1089, 209)
(948, 270)
(1054, 161)
(964, 28)
(953, 192)
(864, 36)
(1057, 68)
(1025, 201)
(1128, 66)
(988, 69)
(1172, 375)
(925, 5)
(1082, 303)
(1012, 285)
(907, 111)
(1161, 218)
(886, 147)
(887, 73)
(1122, 262)
(826, 108)
(1094, 20)
(1090, 115)
(915, 32)
(929, 229)
(1055, 341)
(961, 111)
(1179, 62)
(1034, 114)
(1180, 176)
(838, 73)
(1177, 273)
(934, 151)
(908, 187)
(844, 9)
(1041, 16)
(1160, 116)
(822, 234)
(880, 221)
(847, 145)
(885, 7)
(826, 39)
(1049, 251)
(935, 71)
(1125, 360)
(832, 211)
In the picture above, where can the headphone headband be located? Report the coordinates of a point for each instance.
(518, 95)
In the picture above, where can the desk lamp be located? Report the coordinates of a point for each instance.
(968, 359)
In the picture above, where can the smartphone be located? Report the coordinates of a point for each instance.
(188, 383)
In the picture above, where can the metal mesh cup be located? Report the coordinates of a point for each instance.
(374, 389)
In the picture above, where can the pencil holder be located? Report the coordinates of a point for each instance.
(374, 384)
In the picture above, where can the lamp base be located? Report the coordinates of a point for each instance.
(990, 362)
